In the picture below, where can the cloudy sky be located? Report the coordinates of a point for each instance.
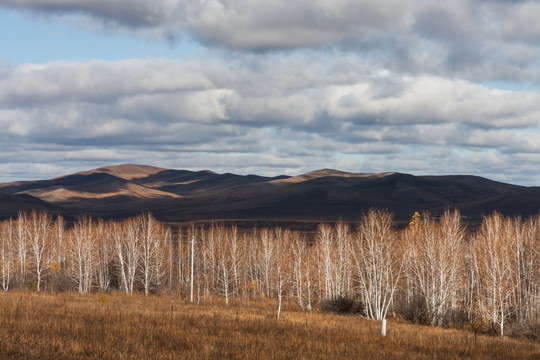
(271, 87)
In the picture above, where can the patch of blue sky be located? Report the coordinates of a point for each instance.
(26, 39)
(528, 130)
(511, 86)
(463, 152)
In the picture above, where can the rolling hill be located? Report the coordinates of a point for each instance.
(10, 205)
(323, 195)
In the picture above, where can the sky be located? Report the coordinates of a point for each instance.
(425, 87)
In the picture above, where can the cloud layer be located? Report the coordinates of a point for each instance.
(419, 86)
(480, 39)
(266, 112)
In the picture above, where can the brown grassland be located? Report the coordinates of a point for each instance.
(116, 326)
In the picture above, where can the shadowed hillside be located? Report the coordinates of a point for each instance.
(11, 204)
(323, 195)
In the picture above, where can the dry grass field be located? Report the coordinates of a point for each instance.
(116, 326)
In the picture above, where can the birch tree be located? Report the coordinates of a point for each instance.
(267, 253)
(58, 251)
(152, 251)
(209, 261)
(39, 235)
(224, 273)
(378, 257)
(7, 252)
(493, 256)
(300, 261)
(282, 259)
(126, 238)
(526, 266)
(105, 249)
(436, 250)
(325, 261)
(254, 273)
(22, 244)
(237, 254)
(83, 253)
(342, 271)
(182, 252)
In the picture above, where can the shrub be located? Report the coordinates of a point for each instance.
(341, 305)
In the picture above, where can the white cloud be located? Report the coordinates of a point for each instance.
(288, 86)
(475, 40)
(323, 114)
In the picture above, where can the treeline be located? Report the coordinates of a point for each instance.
(433, 272)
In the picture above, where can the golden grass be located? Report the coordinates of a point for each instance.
(116, 326)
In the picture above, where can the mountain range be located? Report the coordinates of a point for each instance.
(179, 196)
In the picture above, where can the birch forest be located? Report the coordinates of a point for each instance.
(433, 272)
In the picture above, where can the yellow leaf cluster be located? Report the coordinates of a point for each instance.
(415, 220)
(55, 266)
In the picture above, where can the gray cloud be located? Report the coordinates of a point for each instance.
(263, 115)
(477, 40)
(287, 87)
(133, 13)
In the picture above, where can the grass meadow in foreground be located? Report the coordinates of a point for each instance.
(116, 326)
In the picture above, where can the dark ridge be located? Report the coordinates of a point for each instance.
(10, 205)
(178, 196)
